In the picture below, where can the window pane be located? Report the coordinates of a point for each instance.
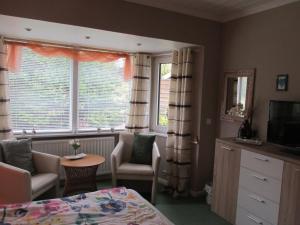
(164, 88)
(103, 95)
(40, 93)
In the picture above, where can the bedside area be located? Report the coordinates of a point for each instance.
(255, 184)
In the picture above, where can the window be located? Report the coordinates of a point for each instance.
(164, 88)
(40, 93)
(57, 94)
(103, 95)
(160, 93)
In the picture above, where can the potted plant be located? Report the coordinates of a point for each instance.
(75, 143)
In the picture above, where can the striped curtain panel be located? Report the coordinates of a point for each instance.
(179, 149)
(138, 118)
(5, 123)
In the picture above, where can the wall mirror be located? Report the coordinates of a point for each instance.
(238, 95)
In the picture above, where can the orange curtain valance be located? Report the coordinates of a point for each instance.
(14, 55)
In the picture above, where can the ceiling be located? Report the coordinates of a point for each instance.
(219, 10)
(15, 27)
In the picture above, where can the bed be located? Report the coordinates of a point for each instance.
(108, 207)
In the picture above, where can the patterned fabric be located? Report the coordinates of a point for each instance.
(138, 118)
(179, 121)
(5, 123)
(107, 207)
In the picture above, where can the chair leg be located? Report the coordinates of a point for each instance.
(57, 195)
(114, 181)
(153, 193)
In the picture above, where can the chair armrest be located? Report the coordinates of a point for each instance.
(15, 184)
(155, 159)
(46, 163)
(116, 156)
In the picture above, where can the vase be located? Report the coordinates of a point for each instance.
(75, 150)
(245, 131)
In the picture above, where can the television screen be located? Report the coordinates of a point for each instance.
(284, 123)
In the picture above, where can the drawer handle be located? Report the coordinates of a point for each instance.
(256, 198)
(261, 159)
(255, 219)
(227, 148)
(260, 177)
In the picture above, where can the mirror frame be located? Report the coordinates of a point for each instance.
(250, 73)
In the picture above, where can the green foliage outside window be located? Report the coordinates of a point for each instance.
(165, 75)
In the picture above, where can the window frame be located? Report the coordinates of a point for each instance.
(44, 132)
(155, 91)
(74, 112)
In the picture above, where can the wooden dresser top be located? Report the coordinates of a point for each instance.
(265, 149)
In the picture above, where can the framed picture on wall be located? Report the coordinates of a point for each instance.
(282, 82)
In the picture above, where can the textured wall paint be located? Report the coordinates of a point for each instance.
(269, 42)
(125, 17)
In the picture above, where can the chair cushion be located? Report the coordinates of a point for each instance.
(42, 181)
(135, 169)
(142, 149)
(18, 153)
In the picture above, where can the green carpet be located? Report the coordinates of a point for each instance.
(182, 211)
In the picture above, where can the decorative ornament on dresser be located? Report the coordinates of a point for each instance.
(245, 131)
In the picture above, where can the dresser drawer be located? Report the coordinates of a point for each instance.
(261, 163)
(258, 205)
(260, 184)
(243, 217)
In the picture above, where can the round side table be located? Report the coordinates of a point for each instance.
(81, 174)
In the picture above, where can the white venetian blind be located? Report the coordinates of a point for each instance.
(40, 93)
(103, 95)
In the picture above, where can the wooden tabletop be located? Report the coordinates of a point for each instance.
(88, 160)
(265, 149)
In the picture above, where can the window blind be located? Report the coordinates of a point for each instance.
(40, 93)
(103, 95)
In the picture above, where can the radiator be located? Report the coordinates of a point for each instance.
(99, 146)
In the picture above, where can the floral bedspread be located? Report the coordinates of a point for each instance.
(108, 207)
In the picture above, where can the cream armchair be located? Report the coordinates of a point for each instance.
(17, 185)
(122, 169)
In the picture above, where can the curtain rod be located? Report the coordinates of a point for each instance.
(51, 44)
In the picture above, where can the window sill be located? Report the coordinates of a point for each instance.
(69, 135)
(160, 134)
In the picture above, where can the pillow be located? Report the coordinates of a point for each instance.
(18, 153)
(142, 149)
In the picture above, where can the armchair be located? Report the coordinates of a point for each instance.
(122, 169)
(17, 185)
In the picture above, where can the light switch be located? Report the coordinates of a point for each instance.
(208, 121)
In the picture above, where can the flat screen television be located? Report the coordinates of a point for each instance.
(284, 124)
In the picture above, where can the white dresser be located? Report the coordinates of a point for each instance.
(255, 185)
(259, 189)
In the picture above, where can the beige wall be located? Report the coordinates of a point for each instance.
(269, 42)
(121, 16)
